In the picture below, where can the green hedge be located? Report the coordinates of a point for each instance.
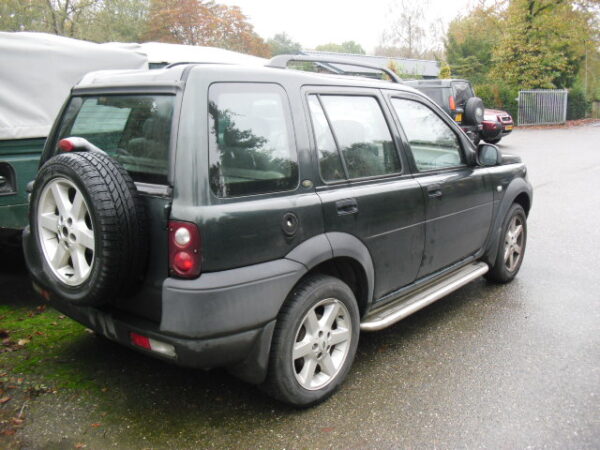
(499, 97)
(577, 104)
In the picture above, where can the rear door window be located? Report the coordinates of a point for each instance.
(251, 145)
(330, 162)
(133, 129)
(360, 133)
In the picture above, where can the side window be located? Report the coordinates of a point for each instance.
(362, 135)
(432, 142)
(330, 162)
(251, 148)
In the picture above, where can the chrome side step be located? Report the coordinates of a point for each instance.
(406, 305)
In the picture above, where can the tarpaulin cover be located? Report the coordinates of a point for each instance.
(162, 53)
(37, 72)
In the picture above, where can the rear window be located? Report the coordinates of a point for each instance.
(133, 129)
(462, 93)
(438, 95)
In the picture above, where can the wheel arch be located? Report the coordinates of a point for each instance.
(341, 255)
(519, 191)
(524, 200)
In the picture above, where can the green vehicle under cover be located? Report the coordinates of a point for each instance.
(37, 73)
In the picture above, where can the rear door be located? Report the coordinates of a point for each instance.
(459, 199)
(364, 186)
(136, 129)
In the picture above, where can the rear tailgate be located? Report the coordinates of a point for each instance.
(147, 301)
(135, 130)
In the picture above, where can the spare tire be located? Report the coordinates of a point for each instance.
(474, 111)
(88, 223)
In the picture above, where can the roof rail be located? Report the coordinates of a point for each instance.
(185, 63)
(281, 62)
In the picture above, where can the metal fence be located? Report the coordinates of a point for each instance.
(542, 106)
(596, 109)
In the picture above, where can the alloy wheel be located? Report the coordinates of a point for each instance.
(513, 243)
(321, 344)
(66, 232)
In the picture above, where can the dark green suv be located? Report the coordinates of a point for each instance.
(259, 218)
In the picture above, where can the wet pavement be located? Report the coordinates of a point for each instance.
(513, 366)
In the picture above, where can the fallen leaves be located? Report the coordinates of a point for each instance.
(8, 345)
(80, 445)
(96, 425)
(4, 399)
(39, 310)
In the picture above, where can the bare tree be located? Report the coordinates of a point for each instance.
(411, 33)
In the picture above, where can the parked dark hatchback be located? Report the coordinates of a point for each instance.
(259, 218)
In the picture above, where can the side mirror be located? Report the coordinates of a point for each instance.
(488, 155)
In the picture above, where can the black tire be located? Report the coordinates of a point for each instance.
(474, 111)
(281, 381)
(117, 219)
(500, 273)
(493, 141)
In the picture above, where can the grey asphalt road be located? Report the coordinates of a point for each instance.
(513, 366)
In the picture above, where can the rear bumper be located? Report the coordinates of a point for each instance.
(221, 319)
(223, 351)
(507, 129)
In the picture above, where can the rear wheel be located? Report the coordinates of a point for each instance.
(315, 341)
(511, 248)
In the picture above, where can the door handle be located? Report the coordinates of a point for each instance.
(434, 191)
(346, 206)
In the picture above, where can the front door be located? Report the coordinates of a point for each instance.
(459, 200)
(365, 188)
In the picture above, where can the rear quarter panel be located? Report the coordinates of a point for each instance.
(245, 230)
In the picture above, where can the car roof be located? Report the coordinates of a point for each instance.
(176, 74)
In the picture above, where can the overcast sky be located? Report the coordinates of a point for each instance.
(314, 22)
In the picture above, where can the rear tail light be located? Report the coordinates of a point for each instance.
(452, 103)
(153, 345)
(184, 249)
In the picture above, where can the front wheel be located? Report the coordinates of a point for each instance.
(315, 341)
(511, 247)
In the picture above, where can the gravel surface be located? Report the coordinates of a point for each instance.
(489, 366)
